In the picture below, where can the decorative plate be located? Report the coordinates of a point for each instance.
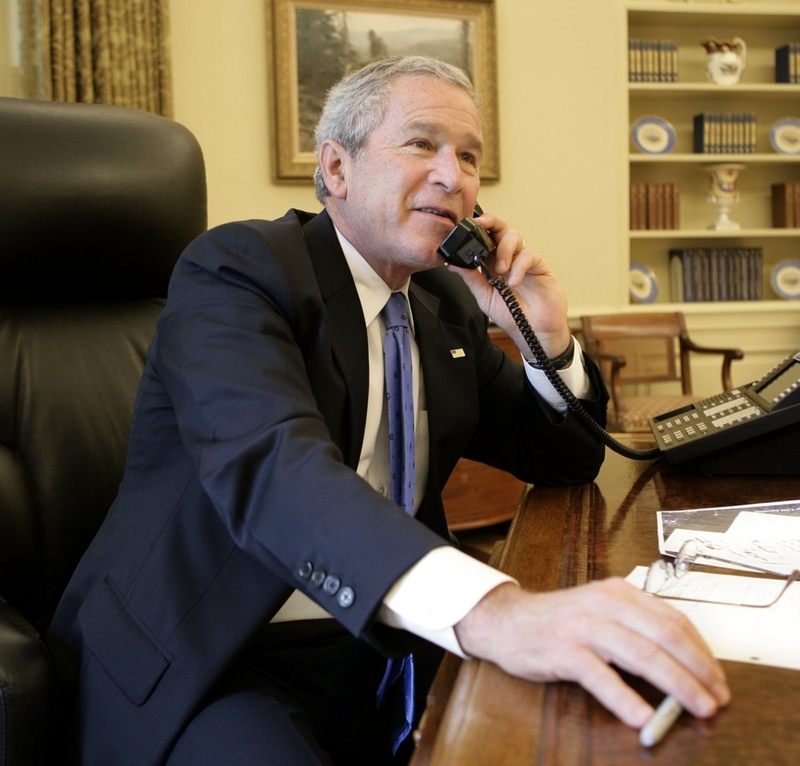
(784, 135)
(653, 135)
(643, 285)
(785, 279)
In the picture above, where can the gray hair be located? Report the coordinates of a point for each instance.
(356, 105)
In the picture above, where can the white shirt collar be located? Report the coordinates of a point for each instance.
(373, 292)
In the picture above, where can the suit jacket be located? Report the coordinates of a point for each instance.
(240, 481)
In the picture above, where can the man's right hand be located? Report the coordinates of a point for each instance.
(576, 634)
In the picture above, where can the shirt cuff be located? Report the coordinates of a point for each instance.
(574, 376)
(437, 593)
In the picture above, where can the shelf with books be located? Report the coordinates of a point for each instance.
(757, 100)
(752, 209)
(680, 115)
(654, 249)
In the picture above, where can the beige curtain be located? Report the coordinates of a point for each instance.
(98, 51)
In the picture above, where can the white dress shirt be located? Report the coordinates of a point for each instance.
(443, 586)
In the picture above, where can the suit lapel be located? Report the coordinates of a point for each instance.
(450, 406)
(440, 348)
(348, 339)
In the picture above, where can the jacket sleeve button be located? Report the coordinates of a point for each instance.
(318, 577)
(305, 569)
(345, 597)
(331, 584)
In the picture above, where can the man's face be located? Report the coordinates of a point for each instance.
(416, 177)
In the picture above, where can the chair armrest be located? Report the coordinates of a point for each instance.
(26, 691)
(729, 355)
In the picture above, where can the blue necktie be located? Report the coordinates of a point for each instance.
(400, 407)
(400, 401)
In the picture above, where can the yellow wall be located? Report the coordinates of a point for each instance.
(562, 125)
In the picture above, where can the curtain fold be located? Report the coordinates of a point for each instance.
(98, 51)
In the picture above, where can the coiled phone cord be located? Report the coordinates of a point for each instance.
(563, 390)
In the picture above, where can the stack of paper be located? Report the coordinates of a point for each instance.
(751, 538)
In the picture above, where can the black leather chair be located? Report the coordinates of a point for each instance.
(96, 205)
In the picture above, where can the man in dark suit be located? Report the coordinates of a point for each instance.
(196, 629)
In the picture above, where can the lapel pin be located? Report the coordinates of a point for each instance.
(457, 353)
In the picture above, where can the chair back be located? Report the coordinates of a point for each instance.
(653, 346)
(96, 204)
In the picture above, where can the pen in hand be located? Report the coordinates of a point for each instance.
(666, 714)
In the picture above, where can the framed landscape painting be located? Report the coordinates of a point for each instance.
(314, 44)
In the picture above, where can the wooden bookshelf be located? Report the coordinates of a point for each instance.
(764, 27)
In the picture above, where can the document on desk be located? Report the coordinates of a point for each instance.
(758, 536)
(759, 635)
(750, 538)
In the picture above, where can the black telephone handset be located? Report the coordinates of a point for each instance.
(467, 246)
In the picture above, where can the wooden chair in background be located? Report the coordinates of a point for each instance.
(644, 349)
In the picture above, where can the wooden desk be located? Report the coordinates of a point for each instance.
(564, 537)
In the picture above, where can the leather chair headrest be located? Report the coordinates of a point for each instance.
(95, 200)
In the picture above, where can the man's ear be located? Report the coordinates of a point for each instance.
(333, 161)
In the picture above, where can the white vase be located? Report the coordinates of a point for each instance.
(722, 193)
(726, 60)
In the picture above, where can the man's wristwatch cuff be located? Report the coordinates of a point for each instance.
(559, 362)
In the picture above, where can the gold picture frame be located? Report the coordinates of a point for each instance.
(312, 44)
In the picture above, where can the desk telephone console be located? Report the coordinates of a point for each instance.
(750, 430)
(754, 427)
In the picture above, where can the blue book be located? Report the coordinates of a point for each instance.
(700, 134)
(786, 63)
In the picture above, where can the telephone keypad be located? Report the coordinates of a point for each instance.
(709, 416)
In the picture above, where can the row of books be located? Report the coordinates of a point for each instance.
(655, 206)
(786, 205)
(657, 61)
(725, 133)
(716, 274)
(787, 63)
(652, 61)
